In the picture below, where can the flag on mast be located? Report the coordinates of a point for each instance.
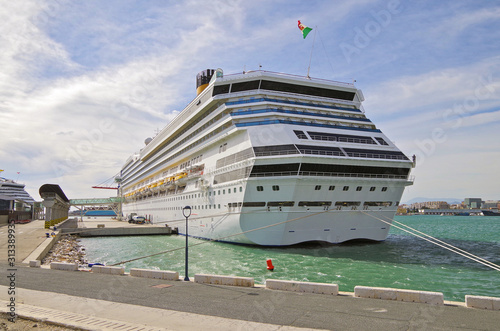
(305, 29)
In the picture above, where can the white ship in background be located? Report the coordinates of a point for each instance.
(269, 159)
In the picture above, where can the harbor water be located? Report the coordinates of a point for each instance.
(402, 261)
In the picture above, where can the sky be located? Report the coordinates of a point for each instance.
(84, 83)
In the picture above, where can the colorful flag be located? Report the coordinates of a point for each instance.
(305, 29)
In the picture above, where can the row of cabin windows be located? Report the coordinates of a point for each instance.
(205, 194)
(291, 204)
(330, 188)
(313, 204)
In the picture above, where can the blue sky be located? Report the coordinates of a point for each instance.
(83, 84)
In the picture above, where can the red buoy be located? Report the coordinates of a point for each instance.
(270, 266)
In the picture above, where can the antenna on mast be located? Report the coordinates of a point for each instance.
(310, 57)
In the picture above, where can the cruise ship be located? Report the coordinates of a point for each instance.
(15, 203)
(273, 159)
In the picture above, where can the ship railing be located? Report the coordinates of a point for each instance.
(355, 175)
(320, 152)
(377, 156)
(274, 153)
(328, 174)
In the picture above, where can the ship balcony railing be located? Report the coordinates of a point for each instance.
(355, 175)
(320, 152)
(276, 153)
(330, 174)
(377, 156)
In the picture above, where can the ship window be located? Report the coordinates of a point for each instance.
(378, 203)
(331, 188)
(346, 188)
(372, 188)
(281, 203)
(314, 203)
(260, 188)
(220, 89)
(241, 189)
(384, 188)
(276, 188)
(382, 141)
(228, 191)
(347, 203)
(245, 86)
(254, 204)
(317, 187)
(234, 190)
(223, 191)
(218, 206)
(300, 134)
(218, 192)
(359, 188)
(308, 90)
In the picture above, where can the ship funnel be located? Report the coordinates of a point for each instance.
(202, 80)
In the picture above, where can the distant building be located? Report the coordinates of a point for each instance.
(490, 204)
(473, 203)
(430, 205)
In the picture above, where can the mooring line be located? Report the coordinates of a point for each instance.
(455, 250)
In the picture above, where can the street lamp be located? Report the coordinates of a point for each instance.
(186, 211)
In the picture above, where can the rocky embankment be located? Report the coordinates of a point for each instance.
(67, 250)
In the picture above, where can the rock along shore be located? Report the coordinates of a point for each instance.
(67, 250)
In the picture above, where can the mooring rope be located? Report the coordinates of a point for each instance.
(438, 242)
(219, 239)
(424, 236)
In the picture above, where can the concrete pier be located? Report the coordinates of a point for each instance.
(105, 226)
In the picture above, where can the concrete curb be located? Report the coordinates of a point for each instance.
(481, 302)
(42, 250)
(158, 274)
(64, 266)
(99, 269)
(224, 280)
(306, 287)
(432, 298)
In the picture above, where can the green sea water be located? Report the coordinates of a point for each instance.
(402, 261)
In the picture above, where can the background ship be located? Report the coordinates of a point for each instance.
(269, 159)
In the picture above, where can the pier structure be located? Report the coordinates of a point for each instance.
(114, 203)
(56, 204)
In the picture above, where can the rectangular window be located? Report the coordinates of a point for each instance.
(372, 188)
(300, 134)
(378, 203)
(347, 203)
(359, 188)
(276, 188)
(346, 188)
(331, 188)
(314, 203)
(260, 188)
(384, 188)
(317, 187)
(254, 204)
(281, 203)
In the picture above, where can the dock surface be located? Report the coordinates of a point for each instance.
(99, 302)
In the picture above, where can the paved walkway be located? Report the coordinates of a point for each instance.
(180, 305)
(105, 302)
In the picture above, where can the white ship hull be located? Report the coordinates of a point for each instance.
(273, 168)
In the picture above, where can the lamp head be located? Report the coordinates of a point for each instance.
(186, 211)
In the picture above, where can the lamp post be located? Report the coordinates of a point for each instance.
(186, 211)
